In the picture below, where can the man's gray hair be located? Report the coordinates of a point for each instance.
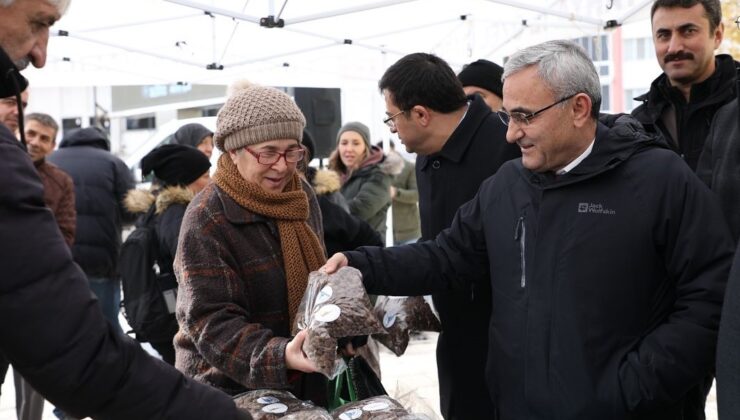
(564, 67)
(61, 5)
(45, 120)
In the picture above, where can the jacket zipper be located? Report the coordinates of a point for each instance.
(520, 235)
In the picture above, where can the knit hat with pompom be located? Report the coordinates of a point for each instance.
(254, 114)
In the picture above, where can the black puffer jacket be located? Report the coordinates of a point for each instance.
(694, 118)
(342, 231)
(101, 183)
(53, 331)
(607, 282)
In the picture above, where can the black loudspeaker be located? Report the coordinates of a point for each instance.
(322, 108)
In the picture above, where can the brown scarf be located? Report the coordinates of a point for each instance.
(302, 250)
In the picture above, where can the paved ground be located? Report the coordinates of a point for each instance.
(411, 379)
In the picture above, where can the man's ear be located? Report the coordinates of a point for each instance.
(421, 114)
(581, 107)
(718, 34)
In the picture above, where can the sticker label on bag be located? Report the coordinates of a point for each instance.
(389, 319)
(328, 313)
(268, 399)
(275, 408)
(352, 414)
(324, 295)
(376, 406)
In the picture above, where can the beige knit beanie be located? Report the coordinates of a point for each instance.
(253, 114)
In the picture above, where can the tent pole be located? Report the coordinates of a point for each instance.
(547, 11)
(633, 11)
(340, 12)
(216, 10)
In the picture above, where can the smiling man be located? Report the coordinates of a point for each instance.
(9, 110)
(606, 258)
(695, 83)
(459, 143)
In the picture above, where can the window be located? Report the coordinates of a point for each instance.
(605, 99)
(636, 49)
(629, 102)
(144, 122)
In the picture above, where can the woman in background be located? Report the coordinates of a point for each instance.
(365, 184)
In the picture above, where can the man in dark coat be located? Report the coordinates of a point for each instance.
(101, 183)
(607, 257)
(728, 357)
(51, 328)
(459, 142)
(695, 84)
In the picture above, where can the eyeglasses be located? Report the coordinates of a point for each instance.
(389, 121)
(271, 157)
(522, 118)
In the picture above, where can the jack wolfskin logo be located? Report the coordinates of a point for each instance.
(594, 209)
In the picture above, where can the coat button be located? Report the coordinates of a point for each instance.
(436, 164)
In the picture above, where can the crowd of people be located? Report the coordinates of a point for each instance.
(582, 264)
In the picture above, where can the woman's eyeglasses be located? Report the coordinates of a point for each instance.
(271, 157)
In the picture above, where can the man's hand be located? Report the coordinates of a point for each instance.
(334, 263)
(295, 358)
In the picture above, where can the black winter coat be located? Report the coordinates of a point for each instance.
(101, 183)
(719, 166)
(728, 356)
(693, 119)
(446, 180)
(607, 282)
(53, 331)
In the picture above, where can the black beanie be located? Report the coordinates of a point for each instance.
(484, 74)
(175, 164)
(191, 134)
(308, 142)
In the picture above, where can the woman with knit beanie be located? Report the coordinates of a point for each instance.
(365, 184)
(180, 172)
(247, 245)
(194, 135)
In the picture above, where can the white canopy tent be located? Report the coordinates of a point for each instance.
(328, 43)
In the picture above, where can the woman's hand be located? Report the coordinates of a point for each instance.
(334, 263)
(295, 358)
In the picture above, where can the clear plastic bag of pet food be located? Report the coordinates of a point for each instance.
(381, 407)
(400, 316)
(334, 306)
(273, 404)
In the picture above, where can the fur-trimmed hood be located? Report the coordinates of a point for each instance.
(392, 164)
(139, 201)
(326, 181)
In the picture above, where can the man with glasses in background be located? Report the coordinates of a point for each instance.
(459, 142)
(606, 257)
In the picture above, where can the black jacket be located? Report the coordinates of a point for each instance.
(53, 331)
(607, 282)
(728, 356)
(719, 166)
(693, 119)
(101, 183)
(446, 180)
(342, 231)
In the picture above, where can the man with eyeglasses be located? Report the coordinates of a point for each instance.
(606, 256)
(459, 143)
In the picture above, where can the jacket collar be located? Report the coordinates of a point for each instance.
(618, 137)
(233, 212)
(711, 91)
(455, 147)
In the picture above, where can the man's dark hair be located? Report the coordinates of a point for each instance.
(423, 79)
(712, 9)
(45, 120)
